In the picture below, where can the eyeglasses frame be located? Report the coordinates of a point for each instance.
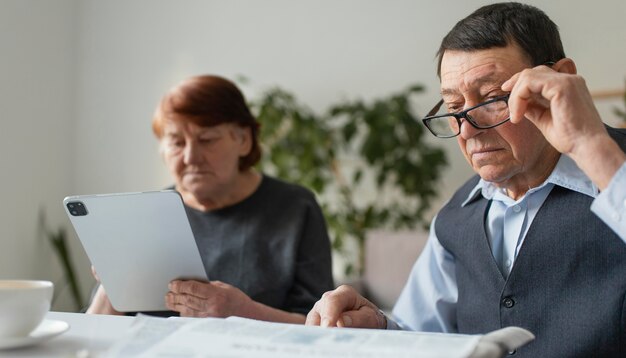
(463, 114)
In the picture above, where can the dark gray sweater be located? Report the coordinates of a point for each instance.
(274, 246)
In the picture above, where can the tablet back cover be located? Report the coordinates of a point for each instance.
(137, 243)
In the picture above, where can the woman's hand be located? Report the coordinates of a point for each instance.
(100, 303)
(207, 299)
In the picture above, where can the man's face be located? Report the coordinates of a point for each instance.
(508, 155)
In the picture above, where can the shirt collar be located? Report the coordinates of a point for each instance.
(565, 174)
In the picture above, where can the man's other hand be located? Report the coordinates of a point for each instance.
(345, 307)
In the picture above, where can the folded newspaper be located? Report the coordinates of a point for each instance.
(240, 337)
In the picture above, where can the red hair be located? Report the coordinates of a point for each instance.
(208, 101)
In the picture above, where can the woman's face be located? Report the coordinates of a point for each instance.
(204, 161)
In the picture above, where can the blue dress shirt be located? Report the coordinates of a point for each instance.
(428, 300)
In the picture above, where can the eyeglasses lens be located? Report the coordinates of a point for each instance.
(483, 116)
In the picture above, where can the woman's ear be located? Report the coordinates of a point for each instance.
(162, 150)
(565, 65)
(244, 136)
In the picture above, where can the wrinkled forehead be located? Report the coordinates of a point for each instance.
(463, 71)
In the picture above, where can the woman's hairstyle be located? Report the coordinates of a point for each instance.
(499, 25)
(208, 101)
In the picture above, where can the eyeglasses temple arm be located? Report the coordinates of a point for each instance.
(435, 108)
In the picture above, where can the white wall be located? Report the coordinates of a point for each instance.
(128, 53)
(322, 50)
(36, 131)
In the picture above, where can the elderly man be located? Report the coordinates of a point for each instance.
(538, 238)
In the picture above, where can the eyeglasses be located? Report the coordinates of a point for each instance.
(489, 114)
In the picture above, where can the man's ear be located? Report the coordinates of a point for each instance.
(565, 65)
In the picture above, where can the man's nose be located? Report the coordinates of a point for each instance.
(468, 130)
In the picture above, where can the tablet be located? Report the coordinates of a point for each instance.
(137, 243)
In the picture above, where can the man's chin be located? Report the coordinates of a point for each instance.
(492, 175)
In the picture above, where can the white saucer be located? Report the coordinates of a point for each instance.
(46, 330)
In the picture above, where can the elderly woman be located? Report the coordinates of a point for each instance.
(263, 242)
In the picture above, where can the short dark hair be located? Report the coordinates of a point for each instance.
(499, 25)
(208, 101)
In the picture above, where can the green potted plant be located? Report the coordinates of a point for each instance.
(344, 153)
(58, 241)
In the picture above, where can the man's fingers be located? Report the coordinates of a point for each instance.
(313, 318)
(329, 310)
(344, 307)
(507, 86)
(527, 93)
(526, 102)
(365, 317)
(520, 95)
(517, 108)
(334, 303)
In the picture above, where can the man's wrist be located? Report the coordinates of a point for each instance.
(600, 158)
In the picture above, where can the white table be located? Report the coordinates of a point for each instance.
(88, 336)
(91, 335)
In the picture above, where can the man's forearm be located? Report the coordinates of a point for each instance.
(600, 158)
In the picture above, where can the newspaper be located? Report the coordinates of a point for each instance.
(240, 337)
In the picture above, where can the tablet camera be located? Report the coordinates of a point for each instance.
(76, 208)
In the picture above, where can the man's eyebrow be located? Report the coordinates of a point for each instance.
(449, 92)
(491, 79)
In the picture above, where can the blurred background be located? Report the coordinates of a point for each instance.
(79, 81)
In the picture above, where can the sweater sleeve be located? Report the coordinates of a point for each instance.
(313, 267)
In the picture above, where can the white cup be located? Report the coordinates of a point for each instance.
(23, 305)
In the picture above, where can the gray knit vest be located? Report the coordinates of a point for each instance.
(567, 285)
